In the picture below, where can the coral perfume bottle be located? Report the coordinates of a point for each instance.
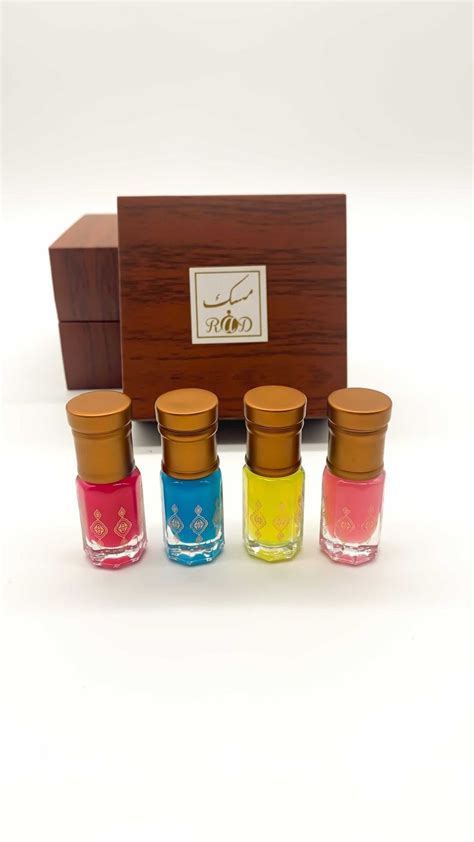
(109, 486)
(191, 480)
(353, 480)
(273, 481)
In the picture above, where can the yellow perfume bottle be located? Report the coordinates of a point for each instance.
(273, 477)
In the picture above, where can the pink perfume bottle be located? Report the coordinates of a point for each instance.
(109, 486)
(353, 480)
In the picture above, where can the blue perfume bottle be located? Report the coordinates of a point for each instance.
(191, 480)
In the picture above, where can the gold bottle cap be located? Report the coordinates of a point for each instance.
(274, 417)
(358, 420)
(102, 429)
(187, 421)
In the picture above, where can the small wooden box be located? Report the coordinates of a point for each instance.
(84, 267)
(194, 309)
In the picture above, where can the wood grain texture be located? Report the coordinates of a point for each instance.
(302, 242)
(84, 268)
(91, 354)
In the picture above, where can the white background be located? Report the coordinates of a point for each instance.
(242, 701)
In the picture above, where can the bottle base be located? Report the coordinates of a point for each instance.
(275, 553)
(352, 554)
(191, 555)
(113, 558)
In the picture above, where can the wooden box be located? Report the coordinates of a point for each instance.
(84, 267)
(194, 311)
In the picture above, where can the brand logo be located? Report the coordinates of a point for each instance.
(228, 304)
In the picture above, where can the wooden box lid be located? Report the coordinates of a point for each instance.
(84, 268)
(298, 241)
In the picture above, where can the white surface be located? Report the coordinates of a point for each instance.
(244, 701)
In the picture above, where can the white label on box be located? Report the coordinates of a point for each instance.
(228, 304)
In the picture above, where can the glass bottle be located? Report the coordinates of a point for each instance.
(273, 481)
(191, 480)
(353, 479)
(109, 486)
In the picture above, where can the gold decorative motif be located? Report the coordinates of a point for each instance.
(174, 522)
(368, 526)
(97, 528)
(344, 525)
(217, 516)
(299, 513)
(198, 524)
(281, 521)
(257, 518)
(123, 525)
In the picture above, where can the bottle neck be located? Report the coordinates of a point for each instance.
(273, 453)
(355, 455)
(185, 456)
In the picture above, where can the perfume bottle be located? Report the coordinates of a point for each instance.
(191, 481)
(353, 479)
(109, 486)
(273, 482)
